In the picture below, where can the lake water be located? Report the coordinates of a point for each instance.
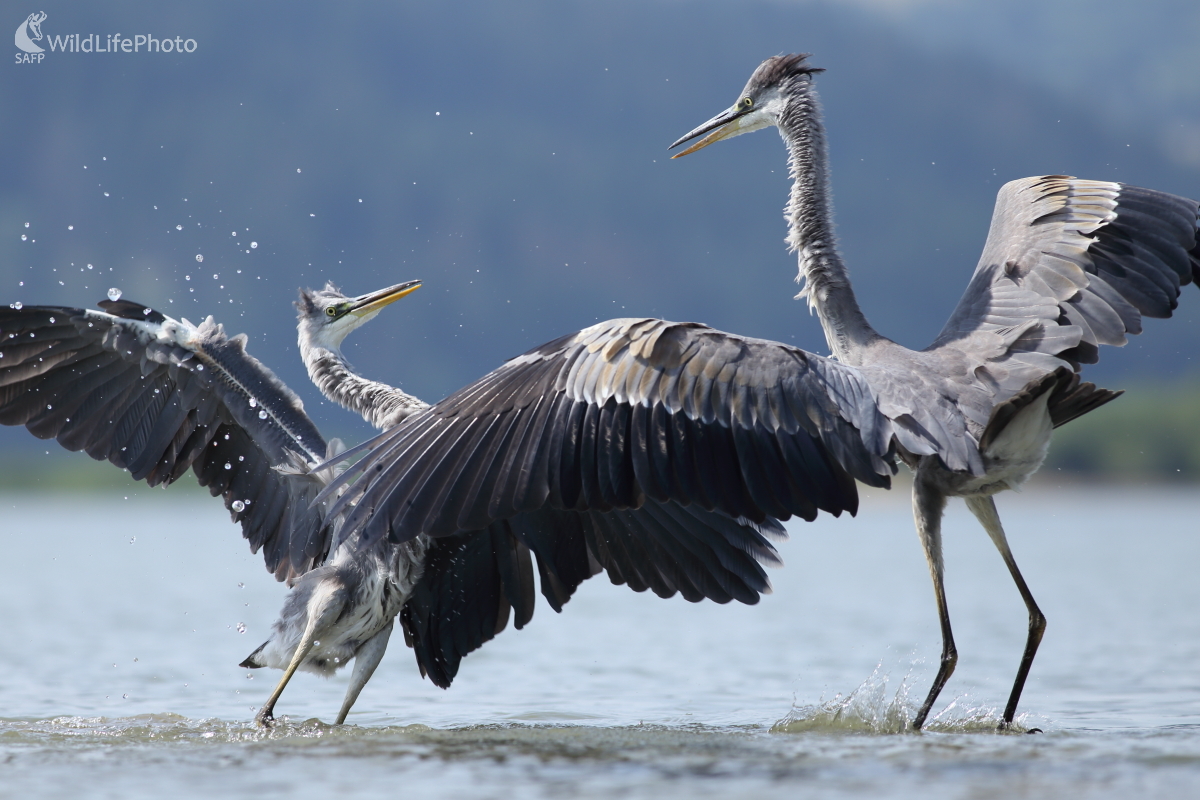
(121, 628)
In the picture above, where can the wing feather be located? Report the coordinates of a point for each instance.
(1084, 260)
(159, 397)
(621, 412)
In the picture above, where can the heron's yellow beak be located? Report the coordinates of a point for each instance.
(730, 122)
(368, 303)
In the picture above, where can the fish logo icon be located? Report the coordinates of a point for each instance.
(30, 31)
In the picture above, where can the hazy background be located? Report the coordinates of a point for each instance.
(513, 156)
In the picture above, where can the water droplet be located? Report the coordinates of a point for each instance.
(125, 697)
(238, 505)
(89, 266)
(178, 227)
(114, 293)
(26, 224)
(262, 413)
(241, 458)
(241, 585)
(200, 368)
(253, 245)
(135, 661)
(132, 539)
(228, 465)
(49, 407)
(106, 194)
(70, 227)
(199, 257)
(315, 644)
(52, 320)
(18, 305)
(216, 278)
(24, 237)
(241, 627)
(253, 402)
(187, 277)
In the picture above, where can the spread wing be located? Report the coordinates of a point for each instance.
(474, 580)
(620, 414)
(157, 397)
(1070, 265)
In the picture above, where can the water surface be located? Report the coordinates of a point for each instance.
(122, 623)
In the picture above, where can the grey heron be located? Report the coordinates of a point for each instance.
(158, 396)
(631, 412)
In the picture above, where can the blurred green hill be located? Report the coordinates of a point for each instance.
(512, 155)
(1150, 433)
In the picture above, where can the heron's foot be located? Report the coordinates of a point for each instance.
(1005, 725)
(265, 718)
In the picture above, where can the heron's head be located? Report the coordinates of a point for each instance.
(326, 316)
(761, 104)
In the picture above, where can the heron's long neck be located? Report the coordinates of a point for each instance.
(379, 404)
(810, 231)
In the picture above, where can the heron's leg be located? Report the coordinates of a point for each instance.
(325, 607)
(267, 712)
(984, 509)
(365, 662)
(928, 505)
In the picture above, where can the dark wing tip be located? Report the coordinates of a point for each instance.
(127, 309)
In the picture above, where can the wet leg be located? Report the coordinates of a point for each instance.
(365, 662)
(324, 608)
(984, 509)
(928, 505)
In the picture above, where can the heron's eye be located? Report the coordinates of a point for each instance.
(331, 311)
(747, 102)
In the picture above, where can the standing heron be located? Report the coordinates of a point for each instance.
(157, 396)
(638, 411)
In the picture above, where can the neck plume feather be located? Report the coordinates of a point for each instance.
(809, 212)
(379, 404)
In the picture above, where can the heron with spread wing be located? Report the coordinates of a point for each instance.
(158, 396)
(633, 413)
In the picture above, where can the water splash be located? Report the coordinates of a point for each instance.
(873, 708)
(867, 709)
